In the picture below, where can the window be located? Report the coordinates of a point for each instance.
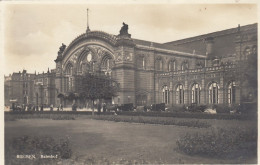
(171, 66)
(232, 92)
(215, 62)
(141, 62)
(184, 65)
(180, 94)
(68, 70)
(159, 64)
(195, 93)
(213, 93)
(106, 65)
(165, 95)
(141, 99)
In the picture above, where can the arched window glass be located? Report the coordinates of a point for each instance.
(141, 62)
(69, 79)
(184, 66)
(165, 95)
(232, 92)
(180, 94)
(213, 93)
(68, 70)
(106, 65)
(171, 66)
(195, 93)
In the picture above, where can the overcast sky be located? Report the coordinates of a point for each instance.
(33, 33)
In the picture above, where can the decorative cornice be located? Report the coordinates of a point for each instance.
(173, 52)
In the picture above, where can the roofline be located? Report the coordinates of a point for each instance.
(202, 36)
(170, 51)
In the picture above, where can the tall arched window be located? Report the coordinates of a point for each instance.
(69, 79)
(141, 62)
(232, 92)
(171, 66)
(165, 94)
(195, 93)
(159, 64)
(213, 93)
(180, 94)
(68, 70)
(106, 65)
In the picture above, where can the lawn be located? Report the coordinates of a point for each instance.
(100, 142)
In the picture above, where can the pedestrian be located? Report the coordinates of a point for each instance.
(104, 107)
(51, 107)
(61, 107)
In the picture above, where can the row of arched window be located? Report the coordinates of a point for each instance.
(172, 66)
(213, 93)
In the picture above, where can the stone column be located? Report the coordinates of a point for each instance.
(221, 91)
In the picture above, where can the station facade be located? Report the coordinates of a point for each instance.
(203, 69)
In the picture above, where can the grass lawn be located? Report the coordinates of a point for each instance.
(107, 141)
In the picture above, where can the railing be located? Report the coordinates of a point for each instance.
(199, 70)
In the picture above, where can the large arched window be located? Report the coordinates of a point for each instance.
(68, 70)
(69, 79)
(171, 66)
(159, 64)
(165, 95)
(195, 93)
(232, 92)
(213, 93)
(180, 94)
(106, 65)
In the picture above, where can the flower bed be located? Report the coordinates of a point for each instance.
(191, 115)
(220, 143)
(153, 120)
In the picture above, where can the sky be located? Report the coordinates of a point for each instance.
(33, 33)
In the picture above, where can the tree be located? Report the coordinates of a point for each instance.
(93, 87)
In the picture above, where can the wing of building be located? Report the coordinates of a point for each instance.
(206, 69)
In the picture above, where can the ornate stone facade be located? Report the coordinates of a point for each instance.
(202, 69)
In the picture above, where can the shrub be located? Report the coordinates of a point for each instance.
(36, 145)
(220, 143)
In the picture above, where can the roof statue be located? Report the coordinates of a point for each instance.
(124, 29)
(62, 48)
